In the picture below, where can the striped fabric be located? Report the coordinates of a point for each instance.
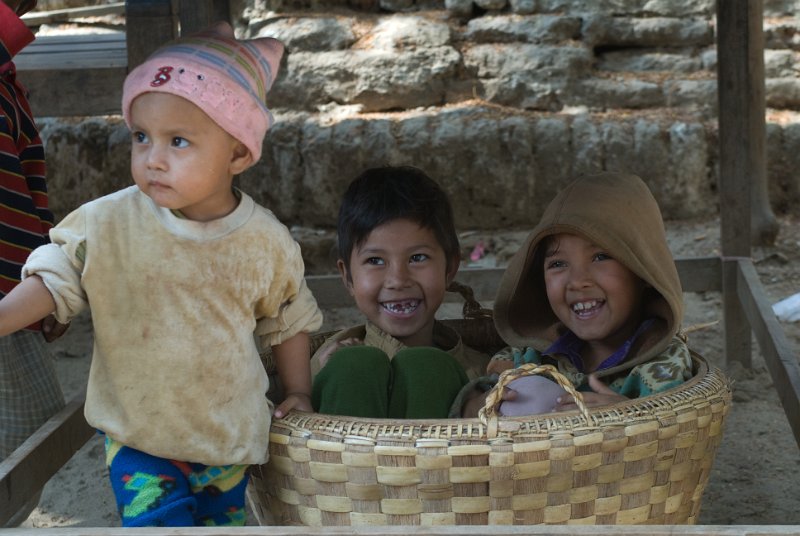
(24, 215)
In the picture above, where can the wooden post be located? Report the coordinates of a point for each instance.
(742, 111)
(149, 24)
(742, 133)
(198, 14)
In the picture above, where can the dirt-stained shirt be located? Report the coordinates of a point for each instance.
(179, 309)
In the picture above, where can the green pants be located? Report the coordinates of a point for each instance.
(361, 381)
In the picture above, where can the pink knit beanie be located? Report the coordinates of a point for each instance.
(226, 78)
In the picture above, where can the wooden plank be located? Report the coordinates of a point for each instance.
(37, 18)
(700, 274)
(438, 530)
(782, 364)
(742, 130)
(71, 52)
(29, 467)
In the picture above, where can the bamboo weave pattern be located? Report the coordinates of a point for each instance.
(646, 461)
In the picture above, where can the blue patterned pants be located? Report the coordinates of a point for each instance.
(156, 492)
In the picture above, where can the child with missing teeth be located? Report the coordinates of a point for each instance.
(594, 291)
(186, 276)
(398, 252)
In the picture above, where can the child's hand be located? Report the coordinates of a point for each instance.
(52, 328)
(297, 401)
(326, 353)
(477, 400)
(601, 395)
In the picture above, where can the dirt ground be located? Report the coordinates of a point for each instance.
(756, 471)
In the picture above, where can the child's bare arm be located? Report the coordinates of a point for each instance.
(28, 302)
(293, 361)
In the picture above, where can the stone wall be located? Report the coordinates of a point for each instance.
(502, 101)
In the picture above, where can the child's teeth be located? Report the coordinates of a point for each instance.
(402, 307)
(582, 306)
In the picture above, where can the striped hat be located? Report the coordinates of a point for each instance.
(226, 78)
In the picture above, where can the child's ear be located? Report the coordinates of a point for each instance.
(346, 279)
(241, 158)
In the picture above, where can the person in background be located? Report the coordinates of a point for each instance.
(29, 390)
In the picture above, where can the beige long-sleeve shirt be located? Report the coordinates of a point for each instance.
(175, 307)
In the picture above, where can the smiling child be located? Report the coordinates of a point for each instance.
(594, 291)
(398, 252)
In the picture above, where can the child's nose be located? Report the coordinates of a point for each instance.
(397, 275)
(155, 158)
(579, 277)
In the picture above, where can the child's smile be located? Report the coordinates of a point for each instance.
(585, 309)
(402, 308)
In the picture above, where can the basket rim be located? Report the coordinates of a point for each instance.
(708, 387)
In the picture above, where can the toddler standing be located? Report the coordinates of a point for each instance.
(180, 271)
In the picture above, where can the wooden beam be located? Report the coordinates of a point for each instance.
(700, 274)
(37, 18)
(436, 530)
(697, 275)
(34, 462)
(782, 364)
(742, 134)
(331, 293)
(149, 24)
(196, 15)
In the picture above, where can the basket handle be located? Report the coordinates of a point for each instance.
(472, 308)
(488, 414)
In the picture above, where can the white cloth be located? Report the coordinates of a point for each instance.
(175, 370)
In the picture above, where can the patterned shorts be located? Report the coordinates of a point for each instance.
(157, 492)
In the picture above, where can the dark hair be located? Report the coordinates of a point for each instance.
(383, 194)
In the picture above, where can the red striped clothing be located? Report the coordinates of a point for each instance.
(25, 218)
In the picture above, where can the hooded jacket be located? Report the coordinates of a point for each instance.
(617, 212)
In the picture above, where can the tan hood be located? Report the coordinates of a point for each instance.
(617, 212)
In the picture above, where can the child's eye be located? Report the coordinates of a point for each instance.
(602, 256)
(375, 261)
(179, 142)
(419, 257)
(139, 137)
(554, 264)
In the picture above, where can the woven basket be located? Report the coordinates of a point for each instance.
(646, 460)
